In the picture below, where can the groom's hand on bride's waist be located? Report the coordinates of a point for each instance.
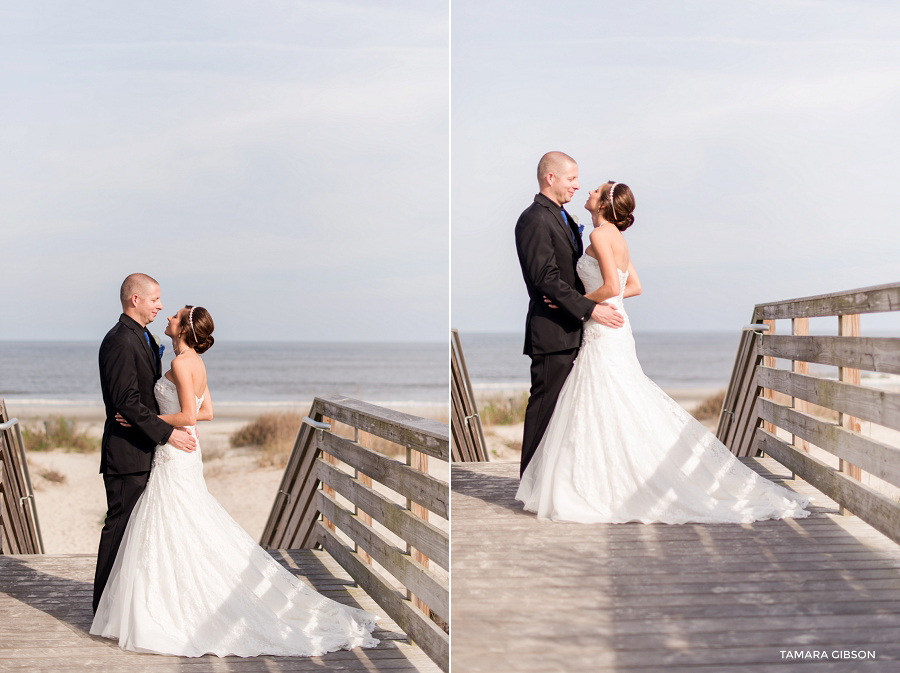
(607, 315)
(183, 440)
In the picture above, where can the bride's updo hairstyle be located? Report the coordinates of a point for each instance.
(621, 210)
(198, 327)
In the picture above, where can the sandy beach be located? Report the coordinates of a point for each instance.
(71, 511)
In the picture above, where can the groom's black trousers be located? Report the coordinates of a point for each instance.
(122, 493)
(548, 374)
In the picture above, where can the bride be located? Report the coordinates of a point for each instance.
(188, 580)
(618, 448)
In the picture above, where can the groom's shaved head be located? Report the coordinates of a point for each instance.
(553, 162)
(139, 284)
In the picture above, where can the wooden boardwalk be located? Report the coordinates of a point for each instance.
(543, 597)
(45, 616)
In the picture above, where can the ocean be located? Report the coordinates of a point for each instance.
(243, 372)
(672, 360)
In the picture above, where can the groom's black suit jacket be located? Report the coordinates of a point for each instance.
(129, 368)
(547, 255)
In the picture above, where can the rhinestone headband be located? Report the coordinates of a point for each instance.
(191, 321)
(612, 203)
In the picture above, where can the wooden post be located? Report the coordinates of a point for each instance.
(364, 439)
(800, 327)
(848, 326)
(418, 461)
(769, 362)
(328, 458)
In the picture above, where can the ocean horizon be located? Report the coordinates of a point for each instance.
(243, 372)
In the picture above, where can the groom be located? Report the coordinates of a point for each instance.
(130, 365)
(549, 244)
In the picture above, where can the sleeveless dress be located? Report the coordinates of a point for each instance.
(188, 580)
(619, 449)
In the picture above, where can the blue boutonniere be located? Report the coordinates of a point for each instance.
(159, 345)
(580, 226)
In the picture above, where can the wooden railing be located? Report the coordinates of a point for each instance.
(20, 532)
(867, 474)
(468, 435)
(327, 497)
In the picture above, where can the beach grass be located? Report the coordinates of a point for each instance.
(709, 408)
(503, 410)
(59, 433)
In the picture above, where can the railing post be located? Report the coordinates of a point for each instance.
(800, 327)
(418, 461)
(328, 458)
(848, 325)
(769, 362)
(363, 439)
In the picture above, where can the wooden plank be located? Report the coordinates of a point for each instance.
(874, 299)
(418, 486)
(877, 510)
(873, 354)
(879, 406)
(396, 518)
(420, 434)
(878, 458)
(468, 430)
(433, 641)
(740, 370)
(407, 570)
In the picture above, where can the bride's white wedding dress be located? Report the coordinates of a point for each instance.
(619, 449)
(188, 580)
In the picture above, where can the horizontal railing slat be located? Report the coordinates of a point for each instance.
(421, 630)
(424, 536)
(420, 434)
(873, 354)
(873, 456)
(413, 575)
(878, 406)
(420, 487)
(877, 510)
(875, 299)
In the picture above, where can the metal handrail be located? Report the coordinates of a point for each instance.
(14, 423)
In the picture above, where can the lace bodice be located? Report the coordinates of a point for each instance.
(588, 270)
(167, 397)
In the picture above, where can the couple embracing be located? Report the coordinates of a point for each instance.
(175, 573)
(603, 443)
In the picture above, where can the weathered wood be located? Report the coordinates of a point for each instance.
(407, 570)
(421, 434)
(739, 419)
(877, 510)
(468, 435)
(399, 520)
(418, 486)
(875, 299)
(873, 354)
(18, 515)
(769, 362)
(874, 405)
(848, 326)
(419, 628)
(800, 327)
(45, 615)
(878, 458)
(530, 595)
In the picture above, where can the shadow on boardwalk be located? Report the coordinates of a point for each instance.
(541, 596)
(45, 619)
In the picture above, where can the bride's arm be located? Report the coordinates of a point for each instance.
(206, 409)
(633, 284)
(184, 384)
(610, 288)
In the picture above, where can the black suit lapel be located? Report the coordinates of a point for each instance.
(139, 334)
(557, 213)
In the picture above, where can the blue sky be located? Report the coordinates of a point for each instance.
(284, 164)
(760, 140)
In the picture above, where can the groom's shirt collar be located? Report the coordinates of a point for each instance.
(128, 321)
